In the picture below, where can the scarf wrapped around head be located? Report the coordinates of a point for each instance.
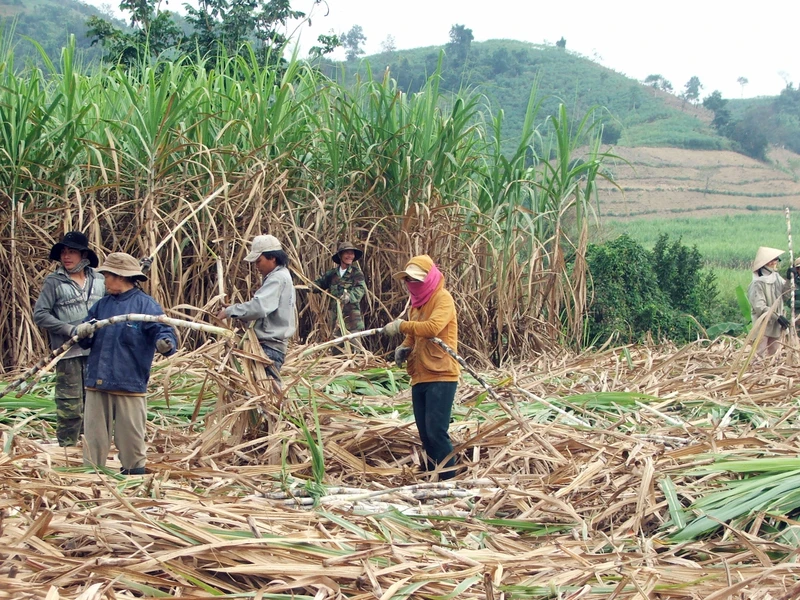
(421, 290)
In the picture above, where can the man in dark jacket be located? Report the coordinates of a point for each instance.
(67, 295)
(119, 366)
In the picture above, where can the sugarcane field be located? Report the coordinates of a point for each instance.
(353, 351)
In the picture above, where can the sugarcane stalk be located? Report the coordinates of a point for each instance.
(511, 412)
(48, 361)
(793, 332)
(345, 338)
(194, 211)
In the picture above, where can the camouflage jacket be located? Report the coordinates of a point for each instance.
(351, 282)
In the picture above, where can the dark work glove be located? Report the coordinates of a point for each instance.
(164, 346)
(145, 264)
(401, 355)
(783, 322)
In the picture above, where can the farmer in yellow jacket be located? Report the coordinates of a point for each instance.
(434, 373)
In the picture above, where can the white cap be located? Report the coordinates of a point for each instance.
(261, 244)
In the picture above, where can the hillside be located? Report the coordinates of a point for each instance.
(504, 71)
(671, 182)
(49, 22)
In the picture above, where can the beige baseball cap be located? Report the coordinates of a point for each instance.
(261, 244)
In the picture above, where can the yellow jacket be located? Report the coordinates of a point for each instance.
(436, 318)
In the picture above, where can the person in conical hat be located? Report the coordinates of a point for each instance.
(766, 293)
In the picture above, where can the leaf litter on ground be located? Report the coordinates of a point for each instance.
(645, 472)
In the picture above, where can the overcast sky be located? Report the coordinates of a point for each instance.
(719, 41)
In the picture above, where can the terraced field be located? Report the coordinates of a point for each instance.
(658, 182)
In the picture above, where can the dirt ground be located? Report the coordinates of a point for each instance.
(673, 182)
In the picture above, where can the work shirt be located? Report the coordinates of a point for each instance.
(63, 304)
(272, 308)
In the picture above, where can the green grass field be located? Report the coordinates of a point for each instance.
(728, 243)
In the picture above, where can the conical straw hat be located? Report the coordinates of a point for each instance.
(765, 255)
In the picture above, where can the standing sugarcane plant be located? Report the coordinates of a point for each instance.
(131, 154)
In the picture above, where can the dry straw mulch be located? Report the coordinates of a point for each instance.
(543, 508)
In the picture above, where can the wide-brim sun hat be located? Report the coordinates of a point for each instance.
(261, 244)
(345, 246)
(123, 265)
(76, 241)
(764, 256)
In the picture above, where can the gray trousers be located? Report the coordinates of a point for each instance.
(123, 418)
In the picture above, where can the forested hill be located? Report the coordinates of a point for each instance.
(49, 22)
(655, 112)
(505, 70)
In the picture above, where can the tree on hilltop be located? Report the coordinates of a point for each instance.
(658, 82)
(217, 25)
(692, 89)
(353, 41)
(460, 40)
(388, 45)
(718, 105)
(153, 32)
(743, 81)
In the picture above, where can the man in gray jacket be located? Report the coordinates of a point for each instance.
(273, 306)
(67, 295)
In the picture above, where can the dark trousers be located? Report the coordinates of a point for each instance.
(433, 403)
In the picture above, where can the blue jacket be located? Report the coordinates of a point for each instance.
(122, 354)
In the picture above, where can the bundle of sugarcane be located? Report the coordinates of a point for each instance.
(249, 401)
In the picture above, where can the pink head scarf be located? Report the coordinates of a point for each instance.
(421, 291)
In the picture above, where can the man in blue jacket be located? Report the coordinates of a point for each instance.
(119, 364)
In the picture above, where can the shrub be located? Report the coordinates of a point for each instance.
(636, 292)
